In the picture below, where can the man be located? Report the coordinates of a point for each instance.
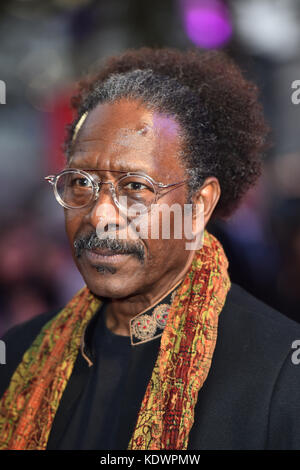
(159, 350)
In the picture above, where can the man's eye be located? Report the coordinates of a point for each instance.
(80, 182)
(136, 186)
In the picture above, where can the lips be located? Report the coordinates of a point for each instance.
(104, 256)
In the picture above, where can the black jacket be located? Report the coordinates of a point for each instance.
(250, 399)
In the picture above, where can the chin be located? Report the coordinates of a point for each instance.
(114, 280)
(111, 285)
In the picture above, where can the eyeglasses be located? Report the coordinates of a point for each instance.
(75, 189)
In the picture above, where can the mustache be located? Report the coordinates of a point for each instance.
(92, 241)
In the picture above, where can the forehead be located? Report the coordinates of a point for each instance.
(126, 135)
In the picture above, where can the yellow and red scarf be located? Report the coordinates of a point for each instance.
(29, 405)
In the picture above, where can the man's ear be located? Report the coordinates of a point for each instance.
(198, 213)
(205, 200)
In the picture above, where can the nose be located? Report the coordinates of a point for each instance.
(104, 215)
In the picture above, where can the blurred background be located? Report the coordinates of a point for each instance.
(46, 45)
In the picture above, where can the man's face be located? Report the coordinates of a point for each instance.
(127, 136)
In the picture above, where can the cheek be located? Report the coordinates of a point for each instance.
(72, 223)
(166, 222)
(164, 256)
(167, 247)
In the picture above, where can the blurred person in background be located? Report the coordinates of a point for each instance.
(27, 285)
(286, 223)
(284, 174)
(160, 350)
(25, 291)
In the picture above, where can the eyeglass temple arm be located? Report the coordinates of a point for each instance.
(161, 185)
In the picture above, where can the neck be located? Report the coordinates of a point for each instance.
(119, 312)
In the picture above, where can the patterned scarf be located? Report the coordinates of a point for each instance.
(29, 405)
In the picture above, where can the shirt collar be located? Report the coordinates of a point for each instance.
(144, 327)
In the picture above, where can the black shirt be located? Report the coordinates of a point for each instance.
(95, 417)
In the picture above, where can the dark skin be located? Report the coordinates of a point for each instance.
(126, 135)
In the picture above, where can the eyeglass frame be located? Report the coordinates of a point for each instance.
(52, 179)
